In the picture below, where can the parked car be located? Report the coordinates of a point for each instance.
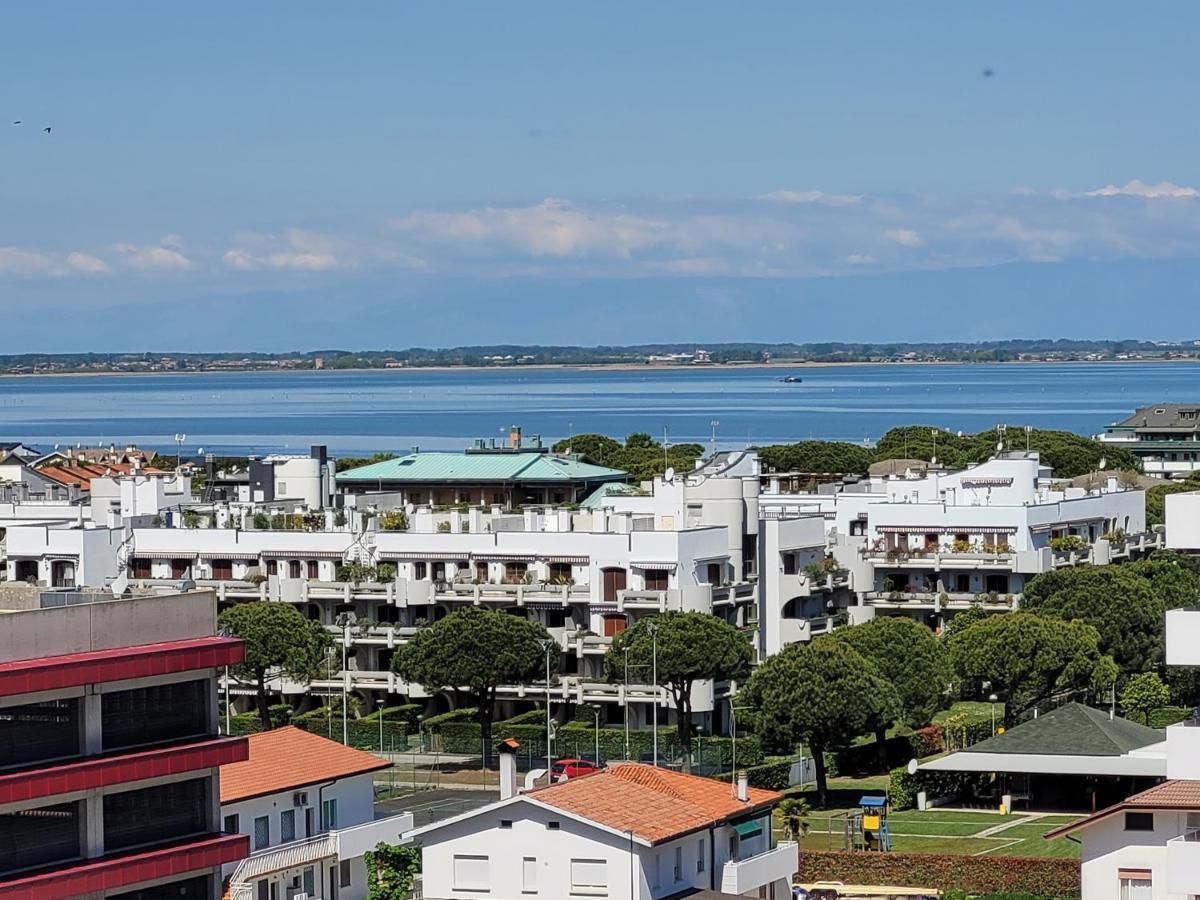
(573, 768)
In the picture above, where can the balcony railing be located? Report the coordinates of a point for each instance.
(276, 859)
(741, 876)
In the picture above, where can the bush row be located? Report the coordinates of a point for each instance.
(1168, 715)
(1041, 876)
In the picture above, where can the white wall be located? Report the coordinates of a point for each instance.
(1107, 848)
(1183, 521)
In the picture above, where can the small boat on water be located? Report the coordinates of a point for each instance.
(791, 379)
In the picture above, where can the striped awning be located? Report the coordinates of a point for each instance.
(1071, 523)
(303, 554)
(644, 564)
(992, 481)
(239, 557)
(417, 555)
(542, 605)
(945, 529)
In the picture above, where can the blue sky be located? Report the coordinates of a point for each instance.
(274, 176)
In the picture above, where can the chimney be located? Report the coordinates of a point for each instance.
(514, 437)
(507, 751)
(743, 788)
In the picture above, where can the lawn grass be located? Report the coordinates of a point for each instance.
(974, 709)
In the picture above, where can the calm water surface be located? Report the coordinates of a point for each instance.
(356, 412)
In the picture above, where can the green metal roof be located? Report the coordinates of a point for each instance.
(435, 466)
(1071, 730)
(609, 489)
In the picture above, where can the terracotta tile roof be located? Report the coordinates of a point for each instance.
(656, 804)
(1176, 794)
(287, 759)
(81, 474)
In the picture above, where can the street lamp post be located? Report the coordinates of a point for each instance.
(596, 713)
(992, 698)
(546, 645)
(653, 629)
(627, 703)
(179, 439)
(226, 631)
(343, 619)
(715, 423)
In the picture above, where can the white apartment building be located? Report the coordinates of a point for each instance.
(928, 546)
(307, 804)
(584, 575)
(630, 832)
(1148, 846)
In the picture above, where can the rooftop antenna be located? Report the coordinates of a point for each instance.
(179, 439)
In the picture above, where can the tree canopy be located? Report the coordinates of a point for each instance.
(641, 455)
(1142, 695)
(1028, 658)
(823, 694)
(1118, 601)
(692, 646)
(1156, 497)
(279, 640)
(909, 656)
(1067, 453)
(818, 457)
(476, 650)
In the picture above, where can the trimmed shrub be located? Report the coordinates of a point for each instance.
(1048, 877)
(1168, 715)
(772, 775)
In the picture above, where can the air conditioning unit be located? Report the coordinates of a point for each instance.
(299, 799)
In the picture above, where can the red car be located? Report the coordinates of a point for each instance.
(572, 768)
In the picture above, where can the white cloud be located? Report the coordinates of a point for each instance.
(905, 237)
(166, 256)
(812, 197)
(87, 264)
(297, 249)
(861, 259)
(16, 261)
(1135, 188)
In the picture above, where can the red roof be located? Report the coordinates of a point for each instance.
(82, 473)
(655, 804)
(289, 758)
(1176, 794)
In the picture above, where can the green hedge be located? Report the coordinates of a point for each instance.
(361, 733)
(772, 775)
(434, 723)
(1049, 877)
(1168, 715)
(864, 759)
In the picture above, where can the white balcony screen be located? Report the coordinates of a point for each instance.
(589, 874)
(471, 873)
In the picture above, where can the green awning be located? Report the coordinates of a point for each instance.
(749, 829)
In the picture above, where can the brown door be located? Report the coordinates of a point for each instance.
(140, 567)
(614, 580)
(222, 569)
(294, 568)
(272, 567)
(312, 569)
(179, 567)
(613, 625)
(656, 579)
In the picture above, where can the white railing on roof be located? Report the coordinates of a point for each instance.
(275, 859)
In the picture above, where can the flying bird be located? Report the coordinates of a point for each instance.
(46, 129)
(17, 122)
(988, 73)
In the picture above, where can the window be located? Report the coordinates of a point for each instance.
(560, 572)
(36, 732)
(329, 818)
(314, 569)
(294, 568)
(154, 714)
(310, 881)
(263, 890)
(657, 870)
(677, 872)
(232, 824)
(714, 572)
(506, 823)
(419, 569)
(529, 875)
(272, 567)
(1139, 821)
(140, 567)
(156, 814)
(471, 873)
(282, 488)
(589, 876)
(657, 579)
(262, 832)
(344, 873)
(37, 837)
(700, 855)
(789, 564)
(287, 826)
(1135, 886)
(554, 826)
(514, 572)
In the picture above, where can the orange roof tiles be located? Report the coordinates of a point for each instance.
(655, 804)
(1176, 794)
(287, 759)
(81, 474)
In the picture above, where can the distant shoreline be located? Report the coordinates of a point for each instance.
(618, 367)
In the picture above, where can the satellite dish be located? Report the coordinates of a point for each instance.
(200, 452)
(912, 767)
(1102, 464)
(999, 446)
(669, 475)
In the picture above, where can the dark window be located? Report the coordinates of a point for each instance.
(232, 824)
(514, 572)
(38, 837)
(272, 567)
(156, 814)
(554, 826)
(287, 826)
(140, 566)
(506, 823)
(180, 567)
(1139, 821)
(34, 732)
(150, 715)
(313, 569)
(560, 572)
(419, 569)
(199, 888)
(344, 873)
(656, 579)
(222, 569)
(714, 573)
(294, 568)
(789, 564)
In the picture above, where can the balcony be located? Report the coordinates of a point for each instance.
(356, 840)
(744, 876)
(943, 558)
(1183, 864)
(933, 601)
(305, 852)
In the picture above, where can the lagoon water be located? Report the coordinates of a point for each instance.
(361, 412)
